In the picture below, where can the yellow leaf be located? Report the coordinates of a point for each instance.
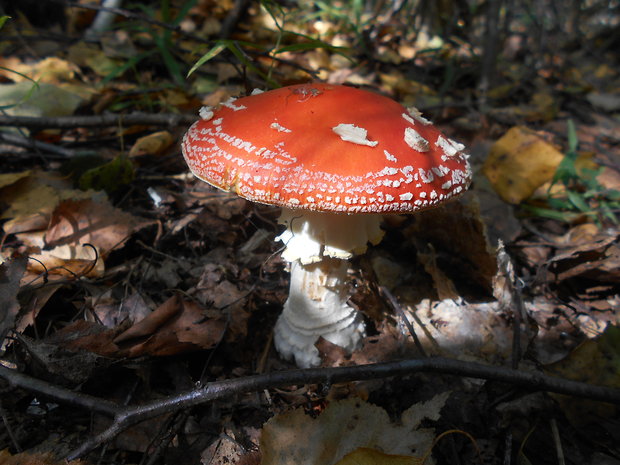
(520, 162)
(153, 144)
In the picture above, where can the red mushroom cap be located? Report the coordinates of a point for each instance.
(326, 148)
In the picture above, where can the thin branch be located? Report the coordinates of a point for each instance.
(70, 122)
(16, 140)
(125, 417)
(17, 379)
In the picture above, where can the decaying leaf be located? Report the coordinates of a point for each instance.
(520, 162)
(110, 176)
(294, 438)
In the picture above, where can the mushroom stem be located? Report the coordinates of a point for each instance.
(317, 307)
(311, 236)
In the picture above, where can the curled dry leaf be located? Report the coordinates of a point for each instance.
(587, 253)
(176, 326)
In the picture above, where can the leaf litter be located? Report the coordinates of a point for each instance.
(172, 285)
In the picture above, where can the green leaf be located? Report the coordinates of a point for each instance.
(219, 46)
(110, 176)
(573, 141)
(3, 19)
(552, 214)
(133, 61)
(578, 201)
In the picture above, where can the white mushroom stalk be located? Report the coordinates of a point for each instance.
(317, 307)
(318, 245)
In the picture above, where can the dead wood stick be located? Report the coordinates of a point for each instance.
(67, 396)
(127, 416)
(70, 122)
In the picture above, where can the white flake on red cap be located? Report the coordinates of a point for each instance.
(416, 141)
(355, 134)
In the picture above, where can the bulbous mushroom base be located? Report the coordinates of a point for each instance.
(317, 307)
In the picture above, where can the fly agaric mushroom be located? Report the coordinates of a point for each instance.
(335, 158)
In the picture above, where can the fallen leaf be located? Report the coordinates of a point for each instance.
(294, 438)
(31, 200)
(519, 163)
(177, 326)
(586, 252)
(70, 261)
(6, 179)
(52, 70)
(110, 176)
(28, 99)
(153, 144)
(96, 222)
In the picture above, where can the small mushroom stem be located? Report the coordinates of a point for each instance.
(317, 307)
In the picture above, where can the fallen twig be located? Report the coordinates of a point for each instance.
(16, 140)
(127, 416)
(70, 122)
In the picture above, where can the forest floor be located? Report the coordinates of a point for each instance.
(126, 282)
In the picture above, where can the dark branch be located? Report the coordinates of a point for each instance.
(125, 417)
(70, 122)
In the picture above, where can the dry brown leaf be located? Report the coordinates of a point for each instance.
(91, 221)
(69, 261)
(32, 198)
(7, 179)
(586, 252)
(176, 326)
